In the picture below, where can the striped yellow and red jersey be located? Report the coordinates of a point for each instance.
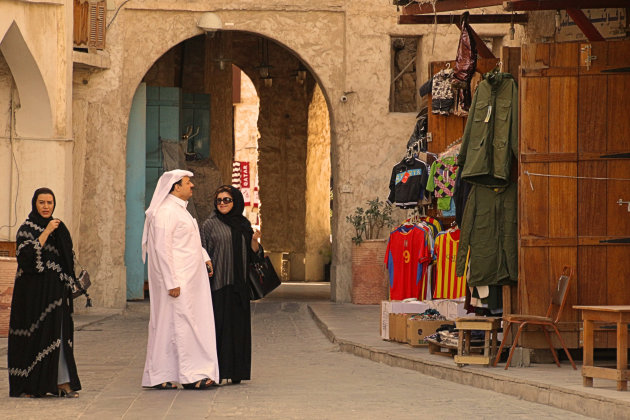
(447, 284)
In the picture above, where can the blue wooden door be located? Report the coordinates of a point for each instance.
(163, 112)
(134, 200)
(154, 115)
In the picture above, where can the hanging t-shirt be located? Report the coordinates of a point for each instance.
(434, 224)
(406, 257)
(427, 278)
(407, 183)
(442, 180)
(447, 284)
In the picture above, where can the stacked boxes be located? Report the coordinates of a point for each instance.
(398, 307)
(398, 325)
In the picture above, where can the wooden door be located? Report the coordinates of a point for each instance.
(574, 154)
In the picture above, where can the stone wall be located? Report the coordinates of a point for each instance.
(6, 162)
(317, 221)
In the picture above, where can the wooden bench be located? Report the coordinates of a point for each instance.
(465, 327)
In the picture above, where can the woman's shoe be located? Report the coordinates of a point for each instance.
(200, 384)
(236, 381)
(62, 393)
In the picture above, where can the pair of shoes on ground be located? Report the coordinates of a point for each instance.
(200, 384)
(63, 393)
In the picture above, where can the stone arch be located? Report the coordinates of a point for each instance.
(133, 77)
(34, 117)
(247, 63)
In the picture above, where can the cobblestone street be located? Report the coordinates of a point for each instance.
(297, 374)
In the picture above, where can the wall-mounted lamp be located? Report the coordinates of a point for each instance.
(209, 22)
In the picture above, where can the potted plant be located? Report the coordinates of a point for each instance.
(369, 278)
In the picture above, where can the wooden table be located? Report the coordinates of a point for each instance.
(619, 315)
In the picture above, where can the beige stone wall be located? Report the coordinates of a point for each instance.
(317, 221)
(6, 88)
(35, 135)
(346, 48)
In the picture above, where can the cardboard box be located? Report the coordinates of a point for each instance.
(418, 329)
(398, 327)
(450, 309)
(415, 307)
(396, 307)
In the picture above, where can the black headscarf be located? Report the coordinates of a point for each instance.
(61, 235)
(241, 230)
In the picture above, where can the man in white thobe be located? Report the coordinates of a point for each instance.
(182, 343)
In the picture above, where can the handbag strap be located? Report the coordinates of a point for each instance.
(76, 260)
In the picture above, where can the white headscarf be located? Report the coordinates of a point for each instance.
(162, 190)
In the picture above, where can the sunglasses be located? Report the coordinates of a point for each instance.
(226, 200)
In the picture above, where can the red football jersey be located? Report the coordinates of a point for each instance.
(405, 258)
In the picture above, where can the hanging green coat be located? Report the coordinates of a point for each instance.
(491, 134)
(489, 228)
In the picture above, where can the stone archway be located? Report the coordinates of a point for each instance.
(285, 145)
(26, 119)
(34, 117)
(108, 97)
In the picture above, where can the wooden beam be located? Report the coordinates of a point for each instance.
(456, 19)
(585, 25)
(525, 5)
(448, 6)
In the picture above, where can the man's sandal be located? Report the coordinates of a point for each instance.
(200, 384)
(165, 385)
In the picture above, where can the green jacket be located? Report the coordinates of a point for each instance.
(491, 134)
(489, 228)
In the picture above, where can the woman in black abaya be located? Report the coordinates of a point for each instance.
(41, 331)
(231, 243)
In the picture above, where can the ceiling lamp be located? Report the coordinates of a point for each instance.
(264, 69)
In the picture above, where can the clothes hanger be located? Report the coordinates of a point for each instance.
(498, 68)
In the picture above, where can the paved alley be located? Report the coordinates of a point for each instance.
(297, 374)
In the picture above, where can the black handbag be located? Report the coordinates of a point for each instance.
(262, 279)
(81, 283)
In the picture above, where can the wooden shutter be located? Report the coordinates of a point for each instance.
(97, 25)
(89, 24)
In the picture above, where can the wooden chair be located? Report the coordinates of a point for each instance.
(550, 320)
